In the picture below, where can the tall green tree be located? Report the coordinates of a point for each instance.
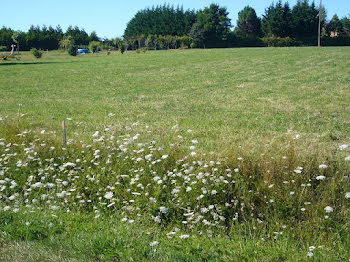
(160, 20)
(79, 36)
(346, 25)
(197, 34)
(216, 25)
(6, 37)
(334, 25)
(277, 20)
(93, 37)
(305, 20)
(248, 23)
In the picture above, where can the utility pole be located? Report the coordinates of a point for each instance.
(319, 24)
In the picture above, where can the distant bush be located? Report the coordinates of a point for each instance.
(336, 41)
(246, 42)
(36, 53)
(95, 46)
(274, 41)
(184, 42)
(141, 50)
(72, 50)
(151, 42)
(3, 48)
(122, 48)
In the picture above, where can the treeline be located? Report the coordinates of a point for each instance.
(280, 25)
(45, 37)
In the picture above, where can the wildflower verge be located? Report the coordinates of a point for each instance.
(171, 193)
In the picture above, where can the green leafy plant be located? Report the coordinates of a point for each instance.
(122, 48)
(36, 53)
(275, 41)
(95, 46)
(72, 50)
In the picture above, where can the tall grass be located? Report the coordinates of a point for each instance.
(121, 173)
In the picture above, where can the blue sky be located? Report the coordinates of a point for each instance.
(109, 17)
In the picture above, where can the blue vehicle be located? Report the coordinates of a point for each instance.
(83, 51)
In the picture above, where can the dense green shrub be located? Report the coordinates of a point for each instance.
(275, 41)
(184, 41)
(141, 50)
(3, 48)
(336, 41)
(160, 42)
(245, 42)
(36, 53)
(72, 50)
(95, 46)
(122, 48)
(151, 42)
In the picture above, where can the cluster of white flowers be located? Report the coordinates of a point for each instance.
(123, 172)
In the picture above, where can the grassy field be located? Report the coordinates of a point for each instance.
(228, 97)
(185, 155)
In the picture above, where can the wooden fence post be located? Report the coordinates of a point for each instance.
(64, 133)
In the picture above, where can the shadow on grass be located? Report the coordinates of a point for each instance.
(34, 63)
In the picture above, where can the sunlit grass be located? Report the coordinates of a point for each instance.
(186, 155)
(230, 97)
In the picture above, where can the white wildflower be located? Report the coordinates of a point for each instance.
(347, 195)
(164, 210)
(344, 147)
(148, 157)
(312, 248)
(323, 166)
(184, 236)
(320, 178)
(12, 197)
(108, 195)
(54, 207)
(37, 185)
(328, 209)
(152, 199)
(154, 243)
(298, 171)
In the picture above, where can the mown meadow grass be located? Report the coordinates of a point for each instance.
(193, 155)
(230, 97)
